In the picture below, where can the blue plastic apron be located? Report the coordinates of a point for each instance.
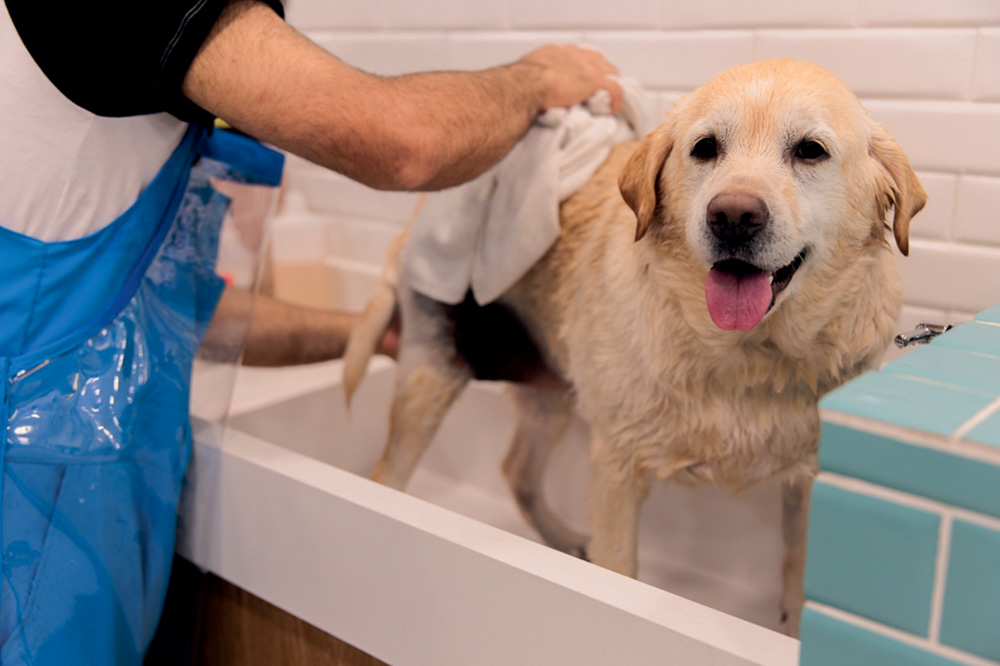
(97, 338)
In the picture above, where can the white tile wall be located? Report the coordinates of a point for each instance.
(906, 13)
(955, 137)
(951, 276)
(674, 60)
(928, 69)
(934, 221)
(396, 14)
(481, 50)
(388, 55)
(978, 210)
(875, 63)
(987, 78)
(570, 13)
(775, 13)
(452, 14)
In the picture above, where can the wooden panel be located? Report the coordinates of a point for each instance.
(210, 622)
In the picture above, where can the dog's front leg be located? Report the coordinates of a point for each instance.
(795, 519)
(616, 492)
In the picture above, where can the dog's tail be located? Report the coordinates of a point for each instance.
(378, 314)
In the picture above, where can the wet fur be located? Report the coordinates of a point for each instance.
(617, 308)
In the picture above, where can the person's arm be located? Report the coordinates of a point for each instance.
(414, 132)
(273, 333)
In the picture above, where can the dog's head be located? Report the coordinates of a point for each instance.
(767, 169)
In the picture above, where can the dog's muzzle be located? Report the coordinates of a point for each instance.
(739, 294)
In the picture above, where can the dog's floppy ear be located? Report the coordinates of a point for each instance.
(897, 186)
(640, 179)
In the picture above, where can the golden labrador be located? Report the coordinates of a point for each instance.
(696, 317)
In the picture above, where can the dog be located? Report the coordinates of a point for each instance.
(709, 285)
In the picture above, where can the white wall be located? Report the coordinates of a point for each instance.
(928, 69)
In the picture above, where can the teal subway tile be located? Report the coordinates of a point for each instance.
(871, 557)
(991, 315)
(907, 402)
(953, 366)
(973, 336)
(829, 642)
(939, 475)
(970, 619)
(987, 432)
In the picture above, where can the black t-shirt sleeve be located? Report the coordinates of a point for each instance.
(119, 57)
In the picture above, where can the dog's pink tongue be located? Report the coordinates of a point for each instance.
(737, 301)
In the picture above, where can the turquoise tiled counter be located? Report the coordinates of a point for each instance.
(904, 538)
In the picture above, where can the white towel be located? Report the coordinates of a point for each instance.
(484, 235)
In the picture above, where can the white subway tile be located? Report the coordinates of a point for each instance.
(884, 63)
(318, 15)
(935, 220)
(977, 215)
(674, 60)
(956, 317)
(661, 103)
(944, 136)
(914, 315)
(986, 85)
(450, 14)
(951, 276)
(470, 51)
(570, 14)
(299, 238)
(296, 167)
(774, 13)
(359, 239)
(388, 54)
(929, 12)
(350, 285)
(658, 104)
(395, 14)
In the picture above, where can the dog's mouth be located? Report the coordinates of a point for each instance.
(739, 294)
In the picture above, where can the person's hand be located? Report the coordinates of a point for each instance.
(573, 73)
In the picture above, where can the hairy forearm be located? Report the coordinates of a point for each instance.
(284, 334)
(420, 131)
(274, 333)
(467, 121)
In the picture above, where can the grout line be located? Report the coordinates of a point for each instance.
(359, 266)
(977, 57)
(983, 354)
(901, 636)
(909, 500)
(985, 413)
(972, 451)
(953, 213)
(940, 578)
(941, 383)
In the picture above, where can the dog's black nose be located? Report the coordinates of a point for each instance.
(734, 217)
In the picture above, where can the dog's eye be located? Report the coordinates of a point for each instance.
(705, 149)
(810, 150)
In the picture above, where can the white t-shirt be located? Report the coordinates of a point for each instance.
(65, 172)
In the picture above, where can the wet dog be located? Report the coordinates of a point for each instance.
(709, 285)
